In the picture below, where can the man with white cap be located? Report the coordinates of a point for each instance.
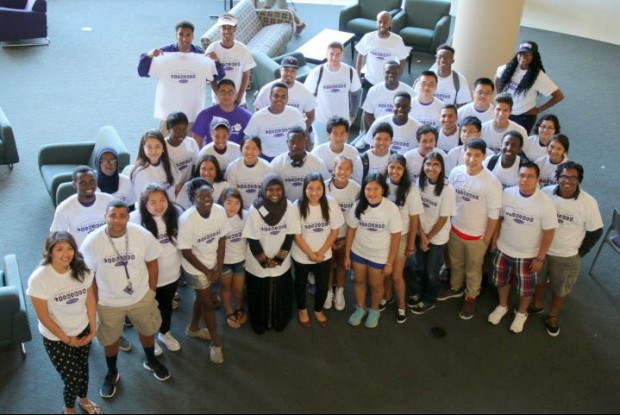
(234, 56)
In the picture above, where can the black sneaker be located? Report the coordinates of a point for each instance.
(108, 389)
(401, 316)
(552, 324)
(413, 300)
(159, 371)
(124, 344)
(384, 303)
(422, 308)
(128, 322)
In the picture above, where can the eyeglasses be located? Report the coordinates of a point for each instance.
(109, 162)
(546, 127)
(570, 179)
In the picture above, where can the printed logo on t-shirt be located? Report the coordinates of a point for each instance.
(345, 206)
(183, 77)
(70, 296)
(119, 261)
(277, 132)
(89, 227)
(546, 181)
(428, 202)
(183, 164)
(336, 87)
(399, 144)
(273, 230)
(316, 226)
(372, 226)
(295, 181)
(518, 216)
(565, 217)
(209, 238)
(163, 238)
(231, 66)
(234, 236)
(381, 54)
(466, 195)
(443, 96)
(248, 187)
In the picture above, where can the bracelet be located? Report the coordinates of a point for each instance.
(539, 260)
(388, 263)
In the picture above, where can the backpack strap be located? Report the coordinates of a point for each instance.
(318, 81)
(457, 84)
(365, 164)
(492, 162)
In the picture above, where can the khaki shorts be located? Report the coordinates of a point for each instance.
(144, 315)
(402, 247)
(561, 272)
(197, 282)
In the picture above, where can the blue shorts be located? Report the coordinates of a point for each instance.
(236, 269)
(357, 258)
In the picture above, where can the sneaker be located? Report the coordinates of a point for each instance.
(357, 316)
(373, 319)
(124, 344)
(339, 302)
(128, 322)
(421, 308)
(329, 300)
(384, 303)
(158, 351)
(216, 355)
(311, 288)
(447, 293)
(496, 316)
(159, 371)
(552, 323)
(401, 316)
(177, 296)
(518, 322)
(108, 389)
(175, 304)
(201, 333)
(413, 300)
(532, 309)
(468, 309)
(444, 274)
(171, 343)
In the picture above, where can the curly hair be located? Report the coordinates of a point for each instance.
(528, 79)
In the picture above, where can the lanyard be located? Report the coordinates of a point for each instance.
(124, 260)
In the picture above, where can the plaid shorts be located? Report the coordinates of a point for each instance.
(505, 267)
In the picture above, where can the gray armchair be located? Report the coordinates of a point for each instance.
(57, 161)
(268, 69)
(14, 326)
(8, 149)
(23, 20)
(423, 25)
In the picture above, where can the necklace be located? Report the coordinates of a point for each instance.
(123, 260)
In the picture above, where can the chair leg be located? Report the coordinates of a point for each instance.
(598, 252)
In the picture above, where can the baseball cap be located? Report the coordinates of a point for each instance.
(528, 47)
(220, 122)
(290, 62)
(226, 20)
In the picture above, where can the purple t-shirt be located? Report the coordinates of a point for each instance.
(238, 120)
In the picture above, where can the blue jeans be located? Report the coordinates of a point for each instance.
(424, 267)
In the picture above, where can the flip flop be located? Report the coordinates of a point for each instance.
(90, 407)
(232, 321)
(242, 317)
(299, 29)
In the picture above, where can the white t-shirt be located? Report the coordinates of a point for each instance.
(333, 93)
(446, 90)
(376, 164)
(507, 176)
(142, 176)
(478, 198)
(374, 230)
(448, 142)
(415, 162)
(247, 180)
(294, 176)
(525, 102)
(232, 153)
(273, 128)
(65, 297)
(125, 190)
(298, 97)
(79, 220)
(169, 262)
(455, 158)
(575, 217)
(468, 110)
(271, 239)
(427, 114)
(184, 157)
(315, 230)
(107, 264)
(436, 207)
(378, 51)
(525, 219)
(202, 236)
(493, 135)
(183, 196)
(413, 205)
(547, 171)
(235, 60)
(404, 138)
(181, 83)
(380, 100)
(235, 242)
(345, 197)
(532, 148)
(325, 153)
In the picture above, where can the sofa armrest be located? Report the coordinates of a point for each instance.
(442, 31)
(13, 4)
(346, 14)
(14, 288)
(211, 35)
(268, 17)
(65, 153)
(39, 6)
(108, 137)
(399, 21)
(8, 140)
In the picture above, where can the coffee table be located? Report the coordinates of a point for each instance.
(315, 49)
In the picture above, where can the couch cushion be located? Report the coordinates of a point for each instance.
(272, 39)
(420, 39)
(361, 26)
(249, 24)
(55, 174)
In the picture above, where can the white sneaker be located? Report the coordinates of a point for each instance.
(158, 350)
(171, 343)
(201, 333)
(496, 316)
(329, 300)
(216, 354)
(339, 301)
(518, 322)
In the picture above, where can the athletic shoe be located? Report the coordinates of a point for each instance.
(157, 351)
(177, 296)
(124, 344)
(339, 302)
(329, 300)
(128, 322)
(108, 389)
(552, 323)
(518, 322)
(532, 309)
(171, 343)
(422, 308)
(496, 316)
(401, 316)
(357, 316)
(413, 300)
(384, 303)
(159, 371)
(447, 293)
(215, 354)
(468, 309)
(175, 304)
(373, 319)
(201, 333)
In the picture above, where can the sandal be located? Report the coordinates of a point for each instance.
(90, 407)
(233, 321)
(242, 317)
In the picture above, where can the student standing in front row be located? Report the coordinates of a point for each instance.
(62, 295)
(374, 232)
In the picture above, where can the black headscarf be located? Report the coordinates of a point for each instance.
(271, 213)
(107, 184)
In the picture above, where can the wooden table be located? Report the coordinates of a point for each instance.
(315, 50)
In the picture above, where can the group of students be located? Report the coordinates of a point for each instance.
(261, 227)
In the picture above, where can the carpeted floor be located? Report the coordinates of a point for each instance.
(87, 79)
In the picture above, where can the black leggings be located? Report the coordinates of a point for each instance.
(164, 296)
(72, 365)
(321, 279)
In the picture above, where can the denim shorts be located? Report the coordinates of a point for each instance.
(364, 261)
(236, 269)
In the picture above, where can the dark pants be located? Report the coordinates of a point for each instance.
(72, 365)
(321, 279)
(425, 267)
(525, 121)
(164, 296)
(270, 301)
